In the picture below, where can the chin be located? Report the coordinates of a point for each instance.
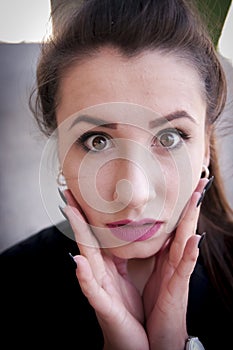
(135, 250)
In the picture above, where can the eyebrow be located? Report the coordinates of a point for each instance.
(152, 124)
(92, 120)
(171, 116)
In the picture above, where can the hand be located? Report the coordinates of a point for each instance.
(166, 292)
(104, 281)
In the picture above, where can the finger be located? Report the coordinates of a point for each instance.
(87, 242)
(70, 198)
(72, 202)
(94, 292)
(180, 279)
(82, 231)
(121, 266)
(201, 184)
(187, 226)
(191, 213)
(78, 220)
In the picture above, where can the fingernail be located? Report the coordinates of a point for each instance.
(62, 195)
(73, 261)
(63, 213)
(209, 183)
(201, 198)
(201, 239)
(205, 189)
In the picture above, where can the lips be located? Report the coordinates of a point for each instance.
(134, 231)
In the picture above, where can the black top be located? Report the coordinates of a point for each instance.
(43, 306)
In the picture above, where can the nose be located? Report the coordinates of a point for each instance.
(133, 187)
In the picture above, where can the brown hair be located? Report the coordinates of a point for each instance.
(133, 26)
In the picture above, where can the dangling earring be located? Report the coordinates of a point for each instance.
(61, 181)
(205, 171)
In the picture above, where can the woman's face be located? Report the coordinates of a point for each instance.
(132, 142)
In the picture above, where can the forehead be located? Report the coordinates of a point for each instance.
(162, 83)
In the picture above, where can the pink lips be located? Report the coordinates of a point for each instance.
(131, 231)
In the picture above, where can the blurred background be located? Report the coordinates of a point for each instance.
(24, 24)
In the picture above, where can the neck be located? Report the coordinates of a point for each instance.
(139, 271)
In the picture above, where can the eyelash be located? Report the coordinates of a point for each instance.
(181, 133)
(83, 138)
(184, 136)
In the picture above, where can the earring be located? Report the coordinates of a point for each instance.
(205, 171)
(61, 181)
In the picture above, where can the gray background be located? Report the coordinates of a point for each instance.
(21, 144)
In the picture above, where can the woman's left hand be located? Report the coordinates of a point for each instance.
(165, 295)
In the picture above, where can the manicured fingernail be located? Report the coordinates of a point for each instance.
(201, 198)
(63, 213)
(205, 189)
(62, 195)
(209, 183)
(73, 261)
(201, 239)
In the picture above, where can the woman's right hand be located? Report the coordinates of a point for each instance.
(105, 282)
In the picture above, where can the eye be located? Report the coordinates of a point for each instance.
(169, 139)
(97, 143)
(94, 142)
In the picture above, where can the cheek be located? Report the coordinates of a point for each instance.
(179, 179)
(76, 179)
(87, 208)
(91, 183)
(71, 162)
(177, 173)
(172, 181)
(182, 176)
(106, 180)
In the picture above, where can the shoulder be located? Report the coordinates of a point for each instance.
(35, 259)
(207, 316)
(52, 240)
(40, 289)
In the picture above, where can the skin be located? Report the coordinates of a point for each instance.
(133, 285)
